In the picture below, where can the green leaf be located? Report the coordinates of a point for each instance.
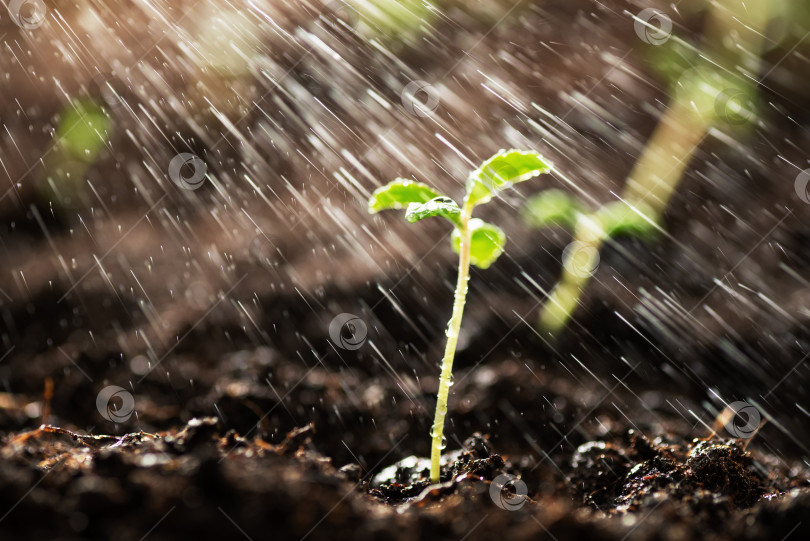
(620, 218)
(498, 173)
(439, 206)
(84, 130)
(717, 96)
(487, 242)
(552, 208)
(400, 193)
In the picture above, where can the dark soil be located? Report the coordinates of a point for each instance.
(212, 308)
(203, 480)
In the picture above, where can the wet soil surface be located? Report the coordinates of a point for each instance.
(202, 480)
(212, 308)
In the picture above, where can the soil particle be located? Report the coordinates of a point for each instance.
(598, 471)
(705, 475)
(727, 469)
(408, 478)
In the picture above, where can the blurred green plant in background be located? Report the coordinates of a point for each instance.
(82, 133)
(714, 86)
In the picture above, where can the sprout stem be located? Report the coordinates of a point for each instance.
(674, 142)
(653, 181)
(453, 328)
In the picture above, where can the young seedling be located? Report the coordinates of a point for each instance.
(714, 94)
(475, 241)
(590, 229)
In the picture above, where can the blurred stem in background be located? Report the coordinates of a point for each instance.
(720, 89)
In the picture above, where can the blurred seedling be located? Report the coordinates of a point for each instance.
(81, 136)
(714, 90)
(590, 229)
(475, 241)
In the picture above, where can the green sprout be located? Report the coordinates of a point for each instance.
(83, 130)
(475, 241)
(82, 135)
(714, 89)
(590, 228)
